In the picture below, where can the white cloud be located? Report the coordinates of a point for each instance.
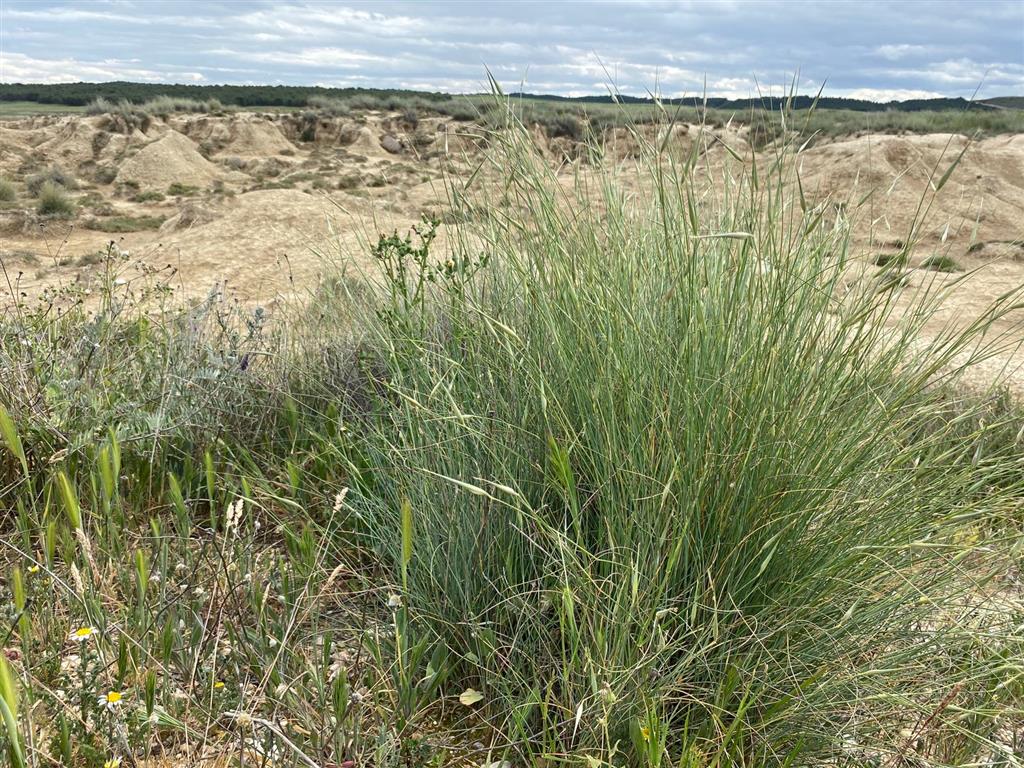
(890, 94)
(902, 51)
(74, 14)
(309, 57)
(733, 87)
(17, 67)
(966, 73)
(313, 21)
(680, 47)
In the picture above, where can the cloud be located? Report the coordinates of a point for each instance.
(313, 20)
(897, 52)
(310, 57)
(731, 47)
(16, 67)
(891, 94)
(965, 73)
(73, 15)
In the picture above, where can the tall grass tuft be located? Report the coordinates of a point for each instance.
(54, 201)
(672, 489)
(54, 175)
(167, 105)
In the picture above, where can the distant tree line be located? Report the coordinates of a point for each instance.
(80, 94)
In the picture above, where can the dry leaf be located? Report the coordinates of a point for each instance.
(469, 697)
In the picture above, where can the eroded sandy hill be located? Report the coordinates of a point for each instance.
(260, 201)
(171, 159)
(256, 138)
(886, 177)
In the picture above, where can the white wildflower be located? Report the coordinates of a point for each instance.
(110, 700)
(82, 634)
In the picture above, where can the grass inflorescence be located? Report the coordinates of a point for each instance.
(606, 477)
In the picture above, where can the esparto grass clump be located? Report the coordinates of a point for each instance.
(53, 200)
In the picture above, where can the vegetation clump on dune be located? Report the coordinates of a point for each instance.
(125, 223)
(52, 200)
(54, 177)
(624, 477)
(135, 103)
(160, 106)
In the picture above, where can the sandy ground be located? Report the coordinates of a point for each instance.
(237, 202)
(263, 206)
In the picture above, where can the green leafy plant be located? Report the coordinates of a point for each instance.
(941, 264)
(178, 189)
(125, 223)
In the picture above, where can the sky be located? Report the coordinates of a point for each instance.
(864, 49)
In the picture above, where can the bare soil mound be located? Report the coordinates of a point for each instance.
(168, 160)
(366, 143)
(15, 147)
(256, 138)
(881, 180)
(202, 129)
(1011, 250)
(277, 255)
(73, 143)
(22, 138)
(192, 214)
